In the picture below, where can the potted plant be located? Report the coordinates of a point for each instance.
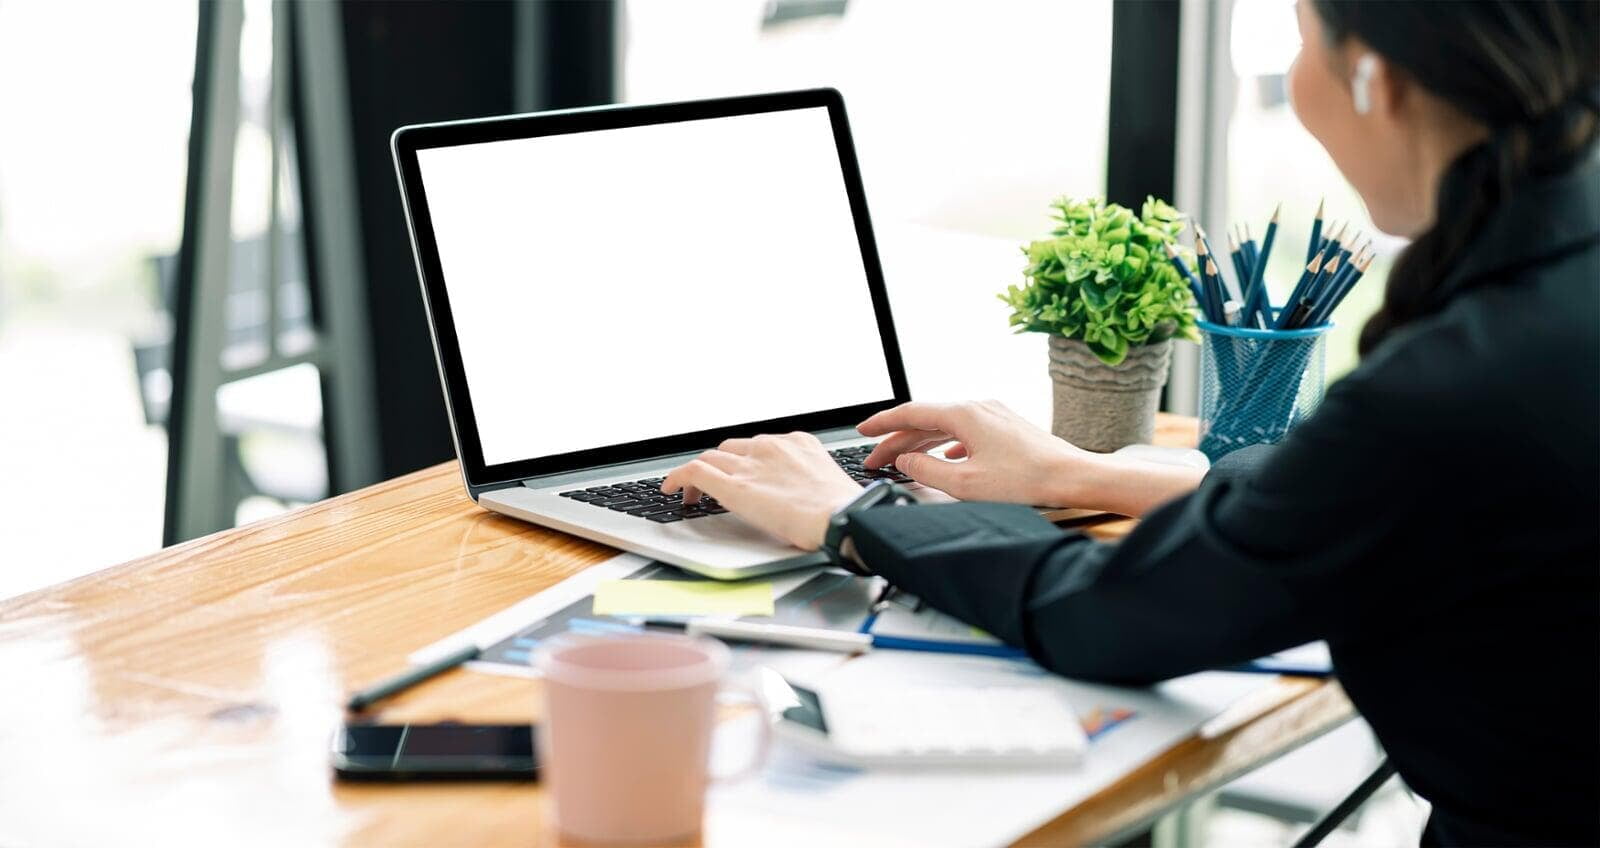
(1102, 287)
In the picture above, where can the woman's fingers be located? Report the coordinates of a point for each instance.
(916, 416)
(905, 441)
(695, 477)
(732, 463)
(932, 471)
(956, 451)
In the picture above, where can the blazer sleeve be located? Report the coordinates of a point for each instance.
(1278, 546)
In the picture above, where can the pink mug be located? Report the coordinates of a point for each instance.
(626, 732)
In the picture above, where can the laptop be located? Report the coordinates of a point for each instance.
(613, 290)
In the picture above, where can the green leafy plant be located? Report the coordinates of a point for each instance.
(1104, 277)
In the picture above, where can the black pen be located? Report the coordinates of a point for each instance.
(366, 697)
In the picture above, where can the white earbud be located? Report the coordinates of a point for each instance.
(1361, 83)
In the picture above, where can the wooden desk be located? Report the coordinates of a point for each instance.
(188, 697)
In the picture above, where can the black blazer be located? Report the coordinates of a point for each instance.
(1435, 521)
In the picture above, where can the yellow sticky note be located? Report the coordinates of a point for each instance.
(681, 597)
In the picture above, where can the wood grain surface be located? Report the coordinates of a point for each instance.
(188, 697)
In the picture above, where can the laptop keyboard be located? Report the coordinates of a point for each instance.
(643, 498)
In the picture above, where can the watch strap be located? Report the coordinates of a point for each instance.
(878, 493)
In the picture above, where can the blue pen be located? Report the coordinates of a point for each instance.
(934, 646)
(1268, 665)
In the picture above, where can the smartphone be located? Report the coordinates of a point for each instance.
(447, 751)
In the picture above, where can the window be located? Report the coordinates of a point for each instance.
(92, 159)
(968, 118)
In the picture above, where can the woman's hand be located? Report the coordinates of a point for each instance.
(1008, 459)
(787, 485)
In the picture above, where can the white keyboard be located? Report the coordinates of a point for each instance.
(955, 725)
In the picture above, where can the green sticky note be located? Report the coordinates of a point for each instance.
(681, 597)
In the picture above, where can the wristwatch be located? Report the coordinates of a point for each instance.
(879, 493)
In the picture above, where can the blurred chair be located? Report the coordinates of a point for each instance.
(270, 421)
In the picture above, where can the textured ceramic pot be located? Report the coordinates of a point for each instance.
(1102, 407)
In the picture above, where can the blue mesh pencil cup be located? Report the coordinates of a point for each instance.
(1255, 385)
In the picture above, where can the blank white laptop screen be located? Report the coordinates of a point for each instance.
(620, 285)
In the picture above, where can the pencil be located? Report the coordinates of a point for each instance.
(1237, 254)
(1342, 250)
(1320, 283)
(1246, 270)
(1194, 284)
(1241, 264)
(1215, 277)
(1331, 244)
(1208, 280)
(1257, 289)
(1342, 286)
(1316, 232)
(1218, 292)
(1299, 291)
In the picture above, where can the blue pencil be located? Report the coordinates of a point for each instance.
(1194, 284)
(1236, 253)
(1341, 286)
(1247, 242)
(1247, 272)
(1208, 283)
(1256, 299)
(1299, 291)
(1331, 270)
(1324, 277)
(1329, 250)
(1221, 283)
(1315, 246)
(1218, 291)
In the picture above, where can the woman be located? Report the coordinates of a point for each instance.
(1435, 521)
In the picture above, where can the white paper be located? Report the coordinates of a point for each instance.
(928, 623)
(796, 795)
(1315, 654)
